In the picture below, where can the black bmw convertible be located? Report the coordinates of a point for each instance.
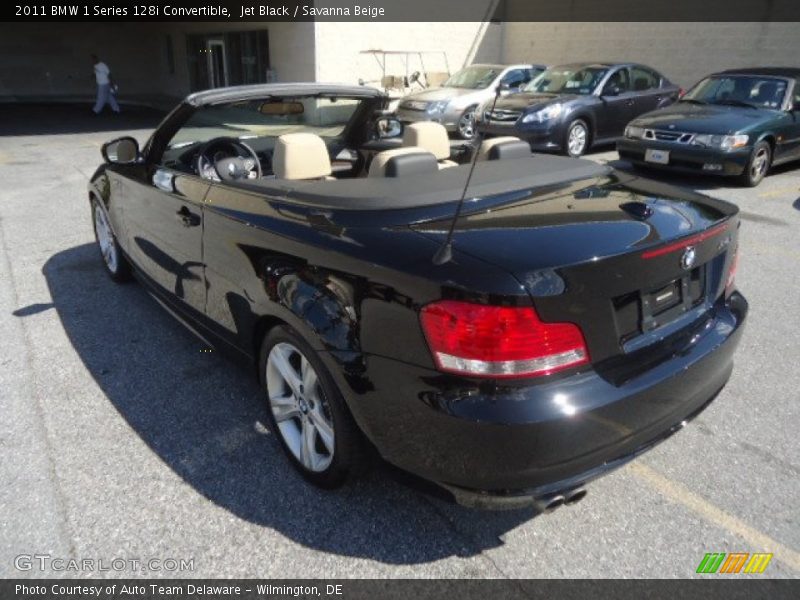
(578, 317)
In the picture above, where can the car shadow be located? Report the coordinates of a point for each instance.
(205, 418)
(56, 118)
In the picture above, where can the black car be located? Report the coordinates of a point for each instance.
(736, 123)
(582, 316)
(570, 108)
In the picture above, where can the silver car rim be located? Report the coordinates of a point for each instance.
(576, 142)
(466, 124)
(298, 404)
(105, 239)
(759, 166)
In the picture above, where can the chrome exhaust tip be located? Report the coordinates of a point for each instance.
(548, 504)
(575, 496)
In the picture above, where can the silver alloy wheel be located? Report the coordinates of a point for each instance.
(105, 239)
(298, 404)
(466, 124)
(576, 140)
(760, 164)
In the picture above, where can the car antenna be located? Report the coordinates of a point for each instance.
(445, 252)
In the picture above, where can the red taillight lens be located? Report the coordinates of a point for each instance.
(730, 283)
(499, 341)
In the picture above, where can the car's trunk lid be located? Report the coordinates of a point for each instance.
(625, 261)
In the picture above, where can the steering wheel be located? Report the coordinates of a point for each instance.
(227, 159)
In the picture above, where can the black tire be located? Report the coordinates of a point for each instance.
(118, 267)
(757, 165)
(350, 457)
(574, 127)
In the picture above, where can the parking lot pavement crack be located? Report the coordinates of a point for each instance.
(38, 429)
(466, 537)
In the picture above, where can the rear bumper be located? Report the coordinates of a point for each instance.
(493, 445)
(685, 158)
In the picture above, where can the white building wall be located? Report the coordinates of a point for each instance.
(684, 52)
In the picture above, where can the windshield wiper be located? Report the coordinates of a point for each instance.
(732, 102)
(692, 101)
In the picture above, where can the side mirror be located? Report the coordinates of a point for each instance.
(122, 151)
(388, 127)
(612, 90)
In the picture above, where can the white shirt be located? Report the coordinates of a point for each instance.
(101, 73)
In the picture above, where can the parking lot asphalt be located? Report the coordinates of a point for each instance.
(120, 438)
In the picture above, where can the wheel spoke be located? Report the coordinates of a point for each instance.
(284, 408)
(285, 368)
(324, 429)
(308, 454)
(309, 376)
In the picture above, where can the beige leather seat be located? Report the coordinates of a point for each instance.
(431, 137)
(301, 156)
(487, 145)
(378, 166)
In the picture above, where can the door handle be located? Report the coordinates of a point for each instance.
(186, 217)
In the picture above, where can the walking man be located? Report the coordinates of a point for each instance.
(105, 83)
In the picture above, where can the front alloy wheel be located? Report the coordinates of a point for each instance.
(758, 165)
(577, 139)
(466, 124)
(115, 262)
(307, 411)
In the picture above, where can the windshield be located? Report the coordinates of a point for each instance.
(474, 78)
(567, 80)
(260, 122)
(739, 90)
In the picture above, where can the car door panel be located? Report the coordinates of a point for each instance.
(164, 217)
(615, 110)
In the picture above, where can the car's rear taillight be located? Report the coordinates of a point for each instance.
(499, 341)
(730, 283)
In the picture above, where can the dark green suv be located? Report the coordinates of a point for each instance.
(737, 123)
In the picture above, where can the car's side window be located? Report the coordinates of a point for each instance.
(796, 99)
(643, 79)
(516, 78)
(619, 80)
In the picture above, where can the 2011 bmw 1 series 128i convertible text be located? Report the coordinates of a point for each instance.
(579, 316)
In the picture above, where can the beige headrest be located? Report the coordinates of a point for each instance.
(300, 156)
(378, 166)
(430, 136)
(487, 145)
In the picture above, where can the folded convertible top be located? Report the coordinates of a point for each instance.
(490, 178)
